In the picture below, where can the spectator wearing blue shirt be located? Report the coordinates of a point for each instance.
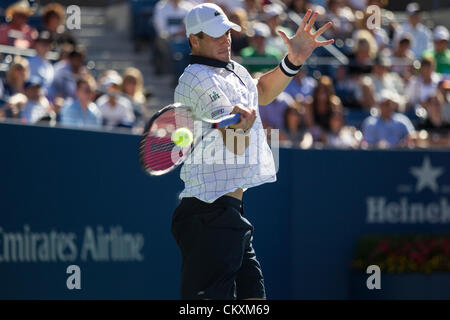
(39, 64)
(64, 82)
(302, 85)
(422, 36)
(81, 111)
(272, 115)
(389, 129)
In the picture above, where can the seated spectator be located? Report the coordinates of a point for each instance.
(301, 86)
(13, 107)
(116, 109)
(67, 74)
(258, 57)
(272, 115)
(424, 84)
(352, 86)
(293, 133)
(388, 129)
(54, 19)
(18, 73)
(379, 34)
(342, 17)
(382, 79)
(254, 9)
(444, 90)
(440, 53)
(239, 40)
(40, 66)
(81, 111)
(300, 6)
(402, 57)
(319, 108)
(341, 136)
(37, 106)
(274, 16)
(437, 127)
(17, 32)
(422, 39)
(168, 19)
(132, 87)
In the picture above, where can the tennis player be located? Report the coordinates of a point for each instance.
(215, 240)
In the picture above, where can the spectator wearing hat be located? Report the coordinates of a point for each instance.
(13, 107)
(258, 56)
(389, 128)
(440, 53)
(82, 111)
(53, 19)
(273, 17)
(67, 73)
(115, 108)
(18, 73)
(422, 37)
(17, 32)
(37, 106)
(40, 66)
(383, 79)
(424, 84)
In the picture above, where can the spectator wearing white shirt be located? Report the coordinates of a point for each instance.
(383, 79)
(422, 36)
(169, 18)
(116, 109)
(424, 84)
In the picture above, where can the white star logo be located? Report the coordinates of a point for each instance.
(426, 175)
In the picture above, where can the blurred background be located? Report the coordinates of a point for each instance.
(364, 161)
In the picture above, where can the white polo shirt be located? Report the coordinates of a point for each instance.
(212, 92)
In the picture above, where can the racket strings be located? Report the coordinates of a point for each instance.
(160, 153)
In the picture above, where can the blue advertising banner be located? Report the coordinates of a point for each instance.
(79, 198)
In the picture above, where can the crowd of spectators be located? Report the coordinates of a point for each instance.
(393, 92)
(36, 89)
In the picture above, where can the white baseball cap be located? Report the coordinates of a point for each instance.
(441, 33)
(210, 19)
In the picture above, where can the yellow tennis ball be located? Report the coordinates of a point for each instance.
(182, 137)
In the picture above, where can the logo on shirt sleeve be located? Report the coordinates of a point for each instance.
(214, 96)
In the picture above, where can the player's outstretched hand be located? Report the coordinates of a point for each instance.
(248, 117)
(302, 44)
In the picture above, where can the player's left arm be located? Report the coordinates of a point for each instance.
(300, 46)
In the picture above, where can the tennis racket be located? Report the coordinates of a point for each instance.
(158, 154)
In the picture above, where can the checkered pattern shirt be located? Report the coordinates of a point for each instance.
(212, 92)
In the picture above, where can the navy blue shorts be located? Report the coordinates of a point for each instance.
(218, 260)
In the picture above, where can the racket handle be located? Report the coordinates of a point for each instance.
(229, 120)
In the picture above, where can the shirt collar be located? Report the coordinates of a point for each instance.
(211, 62)
(194, 59)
